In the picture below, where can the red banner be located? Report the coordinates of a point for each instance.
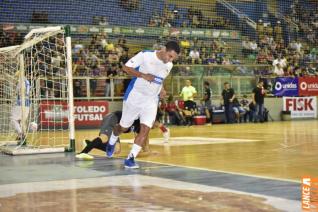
(308, 86)
(54, 114)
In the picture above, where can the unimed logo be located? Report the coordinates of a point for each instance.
(309, 197)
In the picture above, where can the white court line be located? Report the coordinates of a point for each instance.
(220, 171)
(185, 141)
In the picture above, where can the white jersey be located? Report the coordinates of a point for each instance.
(27, 93)
(147, 62)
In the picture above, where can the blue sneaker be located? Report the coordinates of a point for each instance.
(131, 164)
(110, 149)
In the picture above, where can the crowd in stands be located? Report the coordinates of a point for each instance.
(204, 52)
(100, 57)
(9, 37)
(306, 18)
(295, 58)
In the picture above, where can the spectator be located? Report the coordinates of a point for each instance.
(175, 115)
(56, 61)
(245, 105)
(110, 72)
(95, 20)
(226, 61)
(93, 82)
(77, 88)
(258, 100)
(278, 32)
(228, 96)
(260, 29)
(279, 64)
(211, 59)
(185, 43)
(188, 93)
(103, 21)
(195, 56)
(113, 58)
(162, 114)
(238, 110)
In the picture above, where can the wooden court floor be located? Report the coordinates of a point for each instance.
(238, 167)
(278, 150)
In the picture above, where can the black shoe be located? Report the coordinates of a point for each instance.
(22, 143)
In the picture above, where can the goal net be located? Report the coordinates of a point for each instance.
(36, 94)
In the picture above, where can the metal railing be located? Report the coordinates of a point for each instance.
(242, 78)
(237, 12)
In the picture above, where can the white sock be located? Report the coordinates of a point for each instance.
(134, 151)
(113, 138)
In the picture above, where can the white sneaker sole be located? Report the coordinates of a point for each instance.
(131, 167)
(84, 157)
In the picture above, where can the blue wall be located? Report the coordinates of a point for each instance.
(78, 12)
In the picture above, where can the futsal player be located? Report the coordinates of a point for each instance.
(20, 112)
(149, 69)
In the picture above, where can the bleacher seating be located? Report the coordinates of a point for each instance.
(79, 12)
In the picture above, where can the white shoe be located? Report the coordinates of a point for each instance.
(84, 156)
(166, 136)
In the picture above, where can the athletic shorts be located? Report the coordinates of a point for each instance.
(146, 111)
(108, 123)
(16, 113)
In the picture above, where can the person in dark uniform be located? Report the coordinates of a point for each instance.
(207, 101)
(228, 96)
(258, 100)
(106, 128)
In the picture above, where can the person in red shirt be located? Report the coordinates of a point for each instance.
(173, 111)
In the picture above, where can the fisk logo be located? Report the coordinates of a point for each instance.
(299, 104)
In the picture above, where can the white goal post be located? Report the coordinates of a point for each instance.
(36, 93)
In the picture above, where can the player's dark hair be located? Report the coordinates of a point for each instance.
(173, 46)
(206, 83)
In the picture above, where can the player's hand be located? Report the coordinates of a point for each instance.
(148, 77)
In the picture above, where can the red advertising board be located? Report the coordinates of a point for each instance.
(86, 113)
(308, 86)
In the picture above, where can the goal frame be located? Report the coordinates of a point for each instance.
(11, 147)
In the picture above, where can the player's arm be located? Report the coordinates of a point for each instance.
(194, 92)
(233, 97)
(162, 93)
(135, 62)
(253, 98)
(133, 72)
